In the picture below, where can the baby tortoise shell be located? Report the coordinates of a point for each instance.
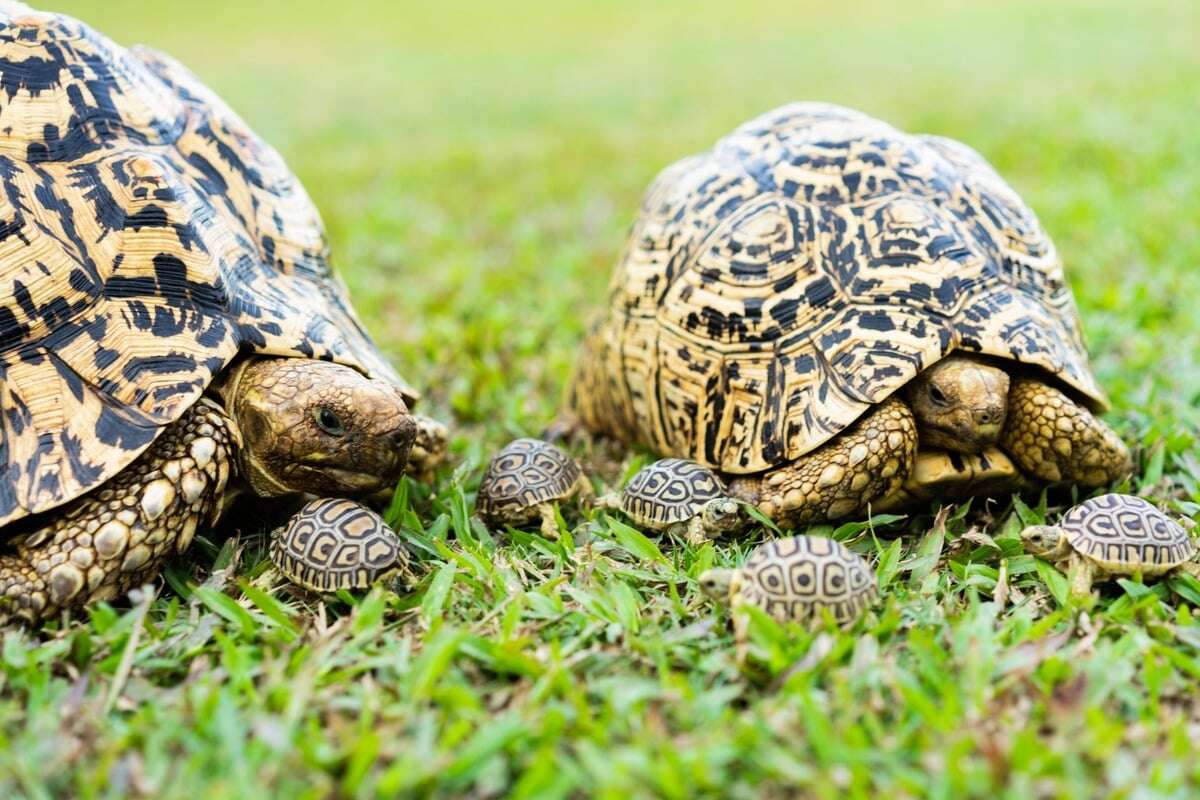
(1113, 534)
(337, 544)
(1125, 534)
(673, 495)
(797, 578)
(524, 480)
(147, 237)
(804, 270)
(670, 490)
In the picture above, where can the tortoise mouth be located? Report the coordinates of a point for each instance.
(344, 481)
(969, 439)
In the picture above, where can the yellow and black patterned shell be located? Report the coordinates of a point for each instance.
(804, 269)
(337, 544)
(1123, 533)
(147, 236)
(523, 474)
(797, 577)
(670, 490)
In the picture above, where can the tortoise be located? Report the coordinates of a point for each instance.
(795, 578)
(680, 498)
(838, 315)
(332, 544)
(1112, 535)
(170, 328)
(523, 482)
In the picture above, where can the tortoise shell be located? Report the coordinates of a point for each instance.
(804, 269)
(670, 490)
(337, 544)
(147, 236)
(797, 577)
(523, 474)
(1125, 534)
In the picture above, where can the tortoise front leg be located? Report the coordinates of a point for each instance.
(428, 450)
(117, 537)
(868, 461)
(1082, 573)
(549, 520)
(1056, 440)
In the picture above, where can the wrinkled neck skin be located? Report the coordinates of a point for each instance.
(960, 403)
(250, 467)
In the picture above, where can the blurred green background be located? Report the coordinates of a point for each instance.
(477, 165)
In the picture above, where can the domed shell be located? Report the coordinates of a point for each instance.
(1126, 533)
(799, 576)
(147, 236)
(807, 267)
(524, 473)
(337, 544)
(670, 490)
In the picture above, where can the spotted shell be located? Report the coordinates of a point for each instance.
(337, 544)
(1123, 534)
(147, 236)
(670, 490)
(523, 474)
(807, 267)
(798, 577)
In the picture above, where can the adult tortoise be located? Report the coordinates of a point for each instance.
(168, 322)
(842, 315)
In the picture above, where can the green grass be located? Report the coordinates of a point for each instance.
(477, 165)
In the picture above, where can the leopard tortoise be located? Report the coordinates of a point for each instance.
(839, 315)
(1112, 535)
(524, 480)
(679, 497)
(168, 323)
(334, 543)
(798, 579)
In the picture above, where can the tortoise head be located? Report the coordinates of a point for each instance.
(1045, 541)
(721, 515)
(960, 404)
(716, 583)
(318, 427)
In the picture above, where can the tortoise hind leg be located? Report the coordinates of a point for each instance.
(116, 537)
(866, 462)
(1056, 440)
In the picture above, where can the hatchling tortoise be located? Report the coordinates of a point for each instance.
(796, 578)
(1112, 535)
(841, 315)
(333, 544)
(680, 498)
(168, 323)
(523, 482)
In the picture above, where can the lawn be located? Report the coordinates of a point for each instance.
(477, 165)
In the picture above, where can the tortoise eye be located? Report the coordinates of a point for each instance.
(328, 421)
(937, 395)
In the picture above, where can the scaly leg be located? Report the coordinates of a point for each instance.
(1081, 573)
(117, 537)
(428, 450)
(1056, 440)
(549, 520)
(866, 462)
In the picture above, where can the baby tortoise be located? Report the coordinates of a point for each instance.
(523, 482)
(680, 498)
(1111, 535)
(333, 544)
(796, 578)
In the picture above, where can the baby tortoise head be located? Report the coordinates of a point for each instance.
(721, 515)
(960, 404)
(716, 583)
(317, 427)
(1045, 541)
